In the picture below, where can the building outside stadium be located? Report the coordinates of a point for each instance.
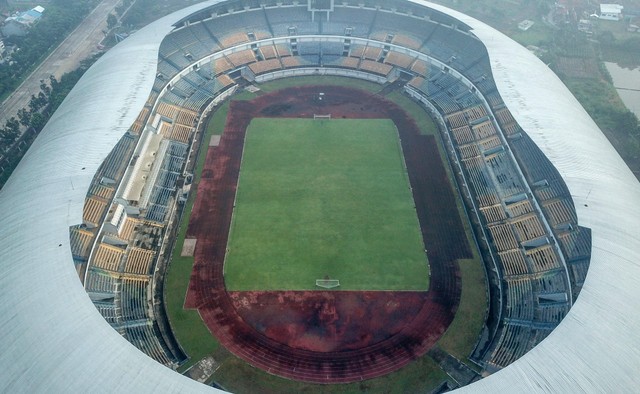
(538, 226)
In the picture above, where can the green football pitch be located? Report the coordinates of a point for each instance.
(324, 198)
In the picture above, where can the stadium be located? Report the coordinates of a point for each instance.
(471, 144)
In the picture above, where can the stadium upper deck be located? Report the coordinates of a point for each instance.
(475, 139)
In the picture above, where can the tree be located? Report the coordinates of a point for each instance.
(38, 121)
(13, 124)
(33, 104)
(37, 102)
(56, 23)
(53, 82)
(607, 38)
(112, 21)
(24, 116)
(6, 139)
(46, 89)
(11, 130)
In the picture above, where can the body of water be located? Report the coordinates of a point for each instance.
(627, 83)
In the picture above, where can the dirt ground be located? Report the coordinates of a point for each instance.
(326, 336)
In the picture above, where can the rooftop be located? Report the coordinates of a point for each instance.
(611, 8)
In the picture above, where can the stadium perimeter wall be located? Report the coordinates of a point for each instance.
(53, 339)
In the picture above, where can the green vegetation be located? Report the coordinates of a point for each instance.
(324, 198)
(41, 107)
(618, 32)
(504, 15)
(577, 59)
(620, 126)
(538, 35)
(624, 51)
(417, 113)
(462, 334)
(617, 44)
(55, 24)
(219, 118)
(143, 12)
(599, 99)
(421, 376)
(460, 338)
(578, 62)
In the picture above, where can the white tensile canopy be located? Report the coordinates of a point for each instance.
(53, 339)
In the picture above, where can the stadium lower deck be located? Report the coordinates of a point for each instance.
(535, 251)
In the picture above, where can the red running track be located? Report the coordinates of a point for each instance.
(326, 336)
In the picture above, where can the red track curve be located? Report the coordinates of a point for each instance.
(361, 355)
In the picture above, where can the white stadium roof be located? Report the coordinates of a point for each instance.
(53, 339)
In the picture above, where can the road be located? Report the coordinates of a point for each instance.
(79, 45)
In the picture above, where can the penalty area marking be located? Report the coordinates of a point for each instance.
(188, 247)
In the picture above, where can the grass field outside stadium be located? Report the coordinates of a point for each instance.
(320, 198)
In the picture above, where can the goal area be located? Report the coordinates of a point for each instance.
(327, 283)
